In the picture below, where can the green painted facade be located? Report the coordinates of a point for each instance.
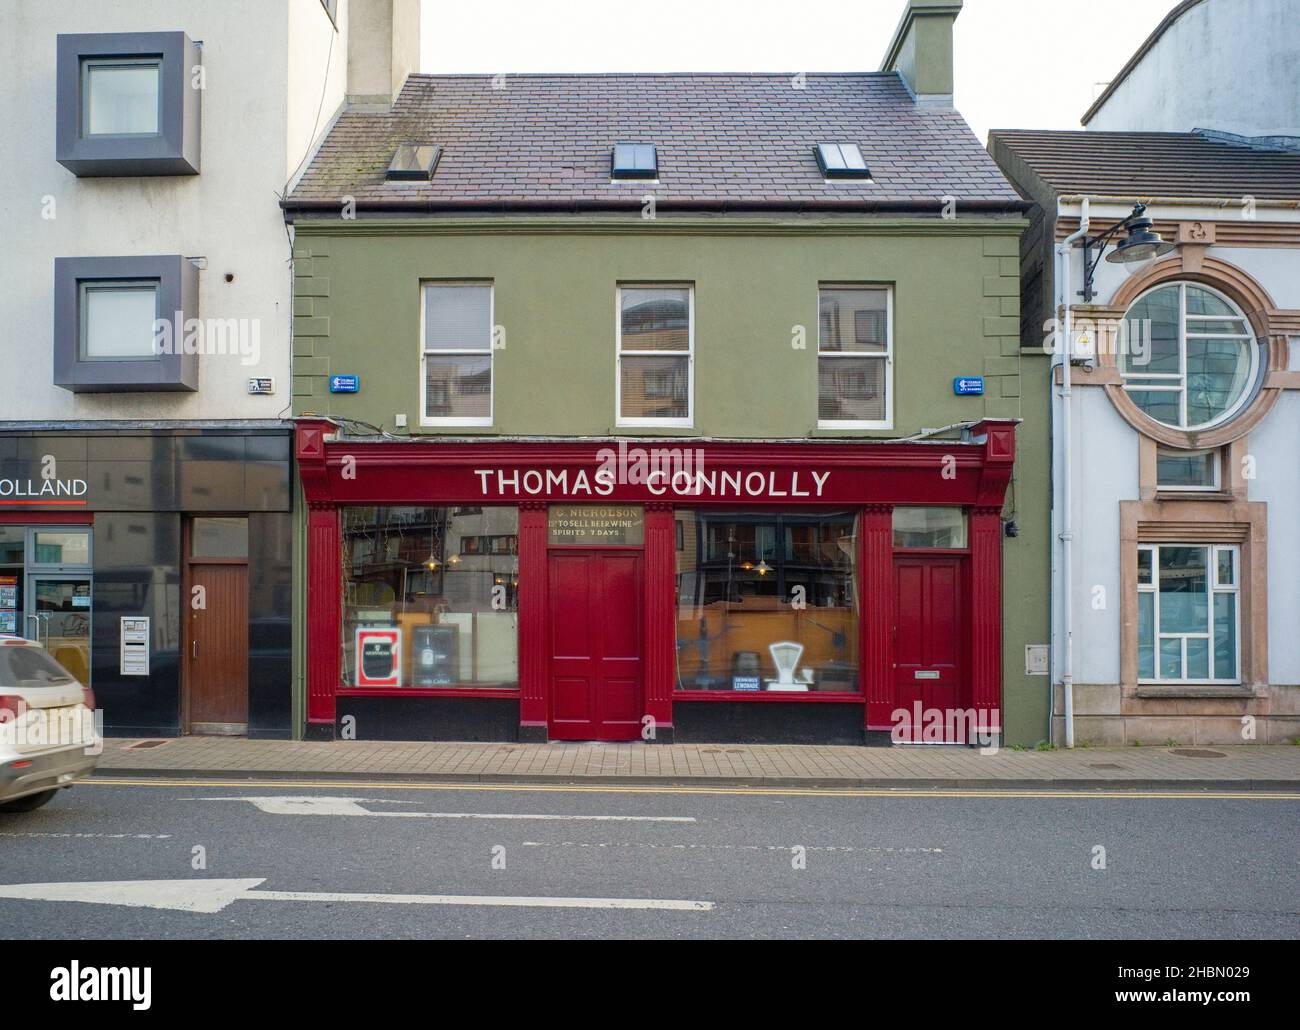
(956, 296)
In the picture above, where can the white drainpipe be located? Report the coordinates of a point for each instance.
(1064, 284)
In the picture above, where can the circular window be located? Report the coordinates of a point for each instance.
(1191, 359)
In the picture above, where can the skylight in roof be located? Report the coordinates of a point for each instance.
(842, 161)
(634, 161)
(414, 161)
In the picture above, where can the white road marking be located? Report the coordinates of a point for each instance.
(209, 896)
(94, 836)
(311, 805)
(840, 848)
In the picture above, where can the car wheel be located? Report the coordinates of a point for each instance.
(30, 803)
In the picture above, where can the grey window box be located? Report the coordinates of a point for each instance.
(83, 363)
(125, 134)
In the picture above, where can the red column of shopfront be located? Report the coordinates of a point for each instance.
(986, 612)
(876, 608)
(534, 648)
(659, 659)
(322, 611)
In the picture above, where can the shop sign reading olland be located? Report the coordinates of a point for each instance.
(42, 490)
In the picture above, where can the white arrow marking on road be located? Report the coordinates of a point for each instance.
(214, 895)
(281, 805)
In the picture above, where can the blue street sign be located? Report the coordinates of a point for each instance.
(964, 386)
(345, 384)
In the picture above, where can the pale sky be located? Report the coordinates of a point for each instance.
(1020, 64)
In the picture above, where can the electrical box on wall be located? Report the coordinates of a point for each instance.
(1036, 659)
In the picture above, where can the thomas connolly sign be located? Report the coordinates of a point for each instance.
(696, 482)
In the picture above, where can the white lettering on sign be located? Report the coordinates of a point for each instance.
(45, 488)
(516, 482)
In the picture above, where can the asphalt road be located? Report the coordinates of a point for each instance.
(903, 865)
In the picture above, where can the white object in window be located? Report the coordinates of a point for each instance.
(655, 340)
(456, 355)
(855, 357)
(1189, 613)
(117, 319)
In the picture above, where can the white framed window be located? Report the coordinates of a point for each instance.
(1191, 360)
(655, 343)
(1197, 471)
(117, 319)
(1189, 613)
(855, 357)
(121, 97)
(456, 354)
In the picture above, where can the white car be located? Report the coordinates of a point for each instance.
(48, 736)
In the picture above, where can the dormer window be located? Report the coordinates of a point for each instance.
(841, 161)
(414, 162)
(634, 161)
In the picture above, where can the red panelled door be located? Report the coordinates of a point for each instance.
(595, 645)
(929, 637)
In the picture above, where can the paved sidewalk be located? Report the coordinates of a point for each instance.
(1258, 767)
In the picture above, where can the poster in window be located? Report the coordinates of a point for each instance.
(379, 656)
(435, 654)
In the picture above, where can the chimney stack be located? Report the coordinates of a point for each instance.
(383, 49)
(921, 50)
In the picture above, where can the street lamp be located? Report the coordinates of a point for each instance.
(1141, 244)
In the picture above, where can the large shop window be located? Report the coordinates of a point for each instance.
(767, 602)
(1191, 360)
(430, 597)
(654, 355)
(1188, 614)
(456, 355)
(854, 358)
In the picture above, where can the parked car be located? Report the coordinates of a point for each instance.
(48, 736)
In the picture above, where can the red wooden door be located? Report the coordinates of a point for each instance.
(596, 690)
(930, 640)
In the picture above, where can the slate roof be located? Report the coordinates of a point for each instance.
(1151, 164)
(725, 141)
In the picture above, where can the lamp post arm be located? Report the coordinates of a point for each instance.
(1090, 266)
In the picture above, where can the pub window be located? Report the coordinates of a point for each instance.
(456, 355)
(655, 341)
(437, 590)
(854, 357)
(767, 602)
(1189, 613)
(943, 528)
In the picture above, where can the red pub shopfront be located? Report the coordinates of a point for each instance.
(651, 590)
